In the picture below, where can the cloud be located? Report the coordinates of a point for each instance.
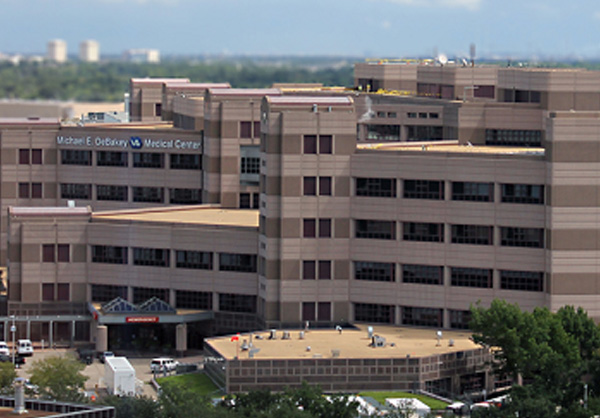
(456, 4)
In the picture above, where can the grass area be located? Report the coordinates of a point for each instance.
(197, 382)
(434, 404)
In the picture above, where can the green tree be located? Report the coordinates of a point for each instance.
(59, 378)
(7, 376)
(134, 407)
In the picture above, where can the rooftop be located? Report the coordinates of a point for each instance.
(312, 100)
(244, 92)
(200, 214)
(451, 147)
(351, 343)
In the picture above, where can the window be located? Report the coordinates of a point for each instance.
(472, 234)
(158, 257)
(529, 281)
(186, 161)
(308, 311)
(250, 165)
(237, 262)
(434, 116)
(373, 271)
(325, 144)
(514, 137)
(48, 292)
(111, 159)
(24, 191)
(309, 270)
(111, 193)
(36, 156)
(76, 157)
(230, 302)
(324, 269)
(249, 200)
(470, 191)
(471, 277)
(62, 292)
(185, 196)
(324, 186)
(36, 190)
(411, 115)
(522, 237)
(142, 294)
(76, 191)
(422, 115)
(24, 156)
(48, 253)
(109, 254)
(459, 319)
(375, 187)
(157, 109)
(324, 228)
(310, 186)
(324, 311)
(310, 144)
(148, 194)
(200, 260)
(106, 292)
(381, 114)
(148, 160)
(187, 299)
(392, 115)
(424, 133)
(523, 193)
(424, 317)
(488, 92)
(63, 253)
(309, 228)
(424, 189)
(383, 132)
(30, 190)
(249, 129)
(420, 274)
(366, 228)
(426, 232)
(371, 312)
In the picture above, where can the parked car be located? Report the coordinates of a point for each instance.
(106, 354)
(4, 348)
(25, 348)
(163, 364)
(86, 355)
(19, 360)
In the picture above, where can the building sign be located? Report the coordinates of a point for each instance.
(134, 142)
(141, 319)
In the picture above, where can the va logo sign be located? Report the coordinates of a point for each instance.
(135, 142)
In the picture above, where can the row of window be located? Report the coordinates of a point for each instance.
(116, 193)
(516, 137)
(121, 159)
(461, 190)
(459, 234)
(532, 281)
(184, 299)
(200, 260)
(410, 315)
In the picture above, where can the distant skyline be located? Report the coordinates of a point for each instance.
(376, 28)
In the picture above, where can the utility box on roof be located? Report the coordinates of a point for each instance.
(119, 376)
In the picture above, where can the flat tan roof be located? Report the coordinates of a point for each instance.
(202, 215)
(451, 147)
(351, 343)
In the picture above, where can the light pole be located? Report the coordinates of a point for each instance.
(13, 329)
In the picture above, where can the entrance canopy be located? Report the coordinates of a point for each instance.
(152, 311)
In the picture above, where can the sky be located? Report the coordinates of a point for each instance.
(371, 28)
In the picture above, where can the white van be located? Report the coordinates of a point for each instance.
(24, 348)
(4, 348)
(163, 364)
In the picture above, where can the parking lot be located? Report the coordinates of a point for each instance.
(95, 371)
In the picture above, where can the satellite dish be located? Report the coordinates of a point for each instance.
(442, 59)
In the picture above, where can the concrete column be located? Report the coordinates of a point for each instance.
(72, 333)
(101, 338)
(181, 339)
(29, 329)
(51, 334)
(6, 327)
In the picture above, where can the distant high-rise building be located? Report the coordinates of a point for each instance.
(142, 55)
(89, 51)
(57, 50)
